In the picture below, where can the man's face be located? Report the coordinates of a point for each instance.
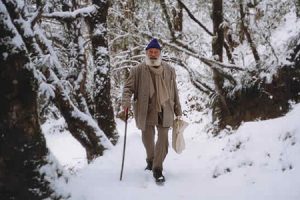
(153, 53)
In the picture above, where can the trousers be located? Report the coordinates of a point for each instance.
(156, 151)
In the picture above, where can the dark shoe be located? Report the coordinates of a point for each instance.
(157, 174)
(149, 165)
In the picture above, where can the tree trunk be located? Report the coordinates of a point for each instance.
(220, 108)
(218, 38)
(104, 111)
(168, 19)
(80, 125)
(177, 19)
(22, 146)
(245, 31)
(81, 129)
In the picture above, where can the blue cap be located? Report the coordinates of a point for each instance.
(153, 44)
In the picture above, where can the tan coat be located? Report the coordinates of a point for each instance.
(138, 83)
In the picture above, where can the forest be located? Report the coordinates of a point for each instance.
(236, 61)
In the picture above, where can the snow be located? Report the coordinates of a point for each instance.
(91, 122)
(70, 154)
(15, 43)
(258, 161)
(81, 11)
(47, 90)
(51, 58)
(282, 35)
(51, 173)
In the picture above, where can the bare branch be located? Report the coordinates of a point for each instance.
(133, 62)
(228, 52)
(194, 78)
(209, 62)
(180, 46)
(216, 66)
(194, 18)
(165, 11)
(226, 46)
(247, 33)
(223, 65)
(37, 16)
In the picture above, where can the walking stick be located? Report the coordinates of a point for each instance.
(124, 147)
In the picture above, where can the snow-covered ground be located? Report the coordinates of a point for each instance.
(259, 161)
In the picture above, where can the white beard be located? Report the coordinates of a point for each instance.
(153, 62)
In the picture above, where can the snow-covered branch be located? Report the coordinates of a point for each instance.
(36, 16)
(220, 64)
(81, 12)
(193, 76)
(209, 62)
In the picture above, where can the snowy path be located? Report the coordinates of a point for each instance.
(182, 172)
(260, 161)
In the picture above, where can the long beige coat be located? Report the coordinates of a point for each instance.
(137, 85)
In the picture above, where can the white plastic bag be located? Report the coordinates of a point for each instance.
(178, 142)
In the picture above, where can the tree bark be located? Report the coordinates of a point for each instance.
(220, 109)
(247, 33)
(226, 46)
(37, 47)
(80, 128)
(22, 146)
(104, 112)
(178, 19)
(86, 133)
(168, 19)
(218, 40)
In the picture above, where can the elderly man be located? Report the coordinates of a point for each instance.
(153, 86)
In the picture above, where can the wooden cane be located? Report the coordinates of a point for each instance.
(124, 146)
